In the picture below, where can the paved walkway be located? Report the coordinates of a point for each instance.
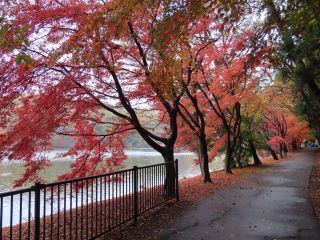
(277, 207)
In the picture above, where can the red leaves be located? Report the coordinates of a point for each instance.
(275, 141)
(285, 127)
(92, 82)
(218, 145)
(32, 168)
(97, 70)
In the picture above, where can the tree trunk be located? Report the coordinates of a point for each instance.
(255, 156)
(280, 150)
(311, 82)
(295, 145)
(228, 159)
(285, 149)
(239, 152)
(169, 182)
(238, 158)
(273, 153)
(199, 129)
(203, 157)
(200, 157)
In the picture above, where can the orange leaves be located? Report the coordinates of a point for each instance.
(98, 67)
(298, 130)
(218, 145)
(275, 141)
(281, 120)
(228, 101)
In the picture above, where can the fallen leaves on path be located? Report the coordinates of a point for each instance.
(152, 223)
(314, 188)
(192, 190)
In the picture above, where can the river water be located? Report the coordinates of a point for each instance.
(10, 171)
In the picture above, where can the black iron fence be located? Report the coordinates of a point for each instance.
(86, 208)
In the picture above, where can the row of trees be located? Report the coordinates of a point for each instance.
(203, 68)
(297, 57)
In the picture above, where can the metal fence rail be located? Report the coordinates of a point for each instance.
(86, 208)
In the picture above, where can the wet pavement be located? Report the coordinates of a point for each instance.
(275, 207)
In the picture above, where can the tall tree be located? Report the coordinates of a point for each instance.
(294, 26)
(92, 59)
(230, 71)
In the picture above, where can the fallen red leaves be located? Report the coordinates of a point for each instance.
(314, 187)
(192, 190)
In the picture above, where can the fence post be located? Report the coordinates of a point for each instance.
(37, 189)
(135, 193)
(177, 179)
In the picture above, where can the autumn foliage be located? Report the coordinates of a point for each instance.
(94, 70)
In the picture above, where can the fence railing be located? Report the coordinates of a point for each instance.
(86, 208)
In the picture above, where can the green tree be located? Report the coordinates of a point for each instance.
(297, 23)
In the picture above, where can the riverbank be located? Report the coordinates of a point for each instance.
(11, 171)
(192, 190)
